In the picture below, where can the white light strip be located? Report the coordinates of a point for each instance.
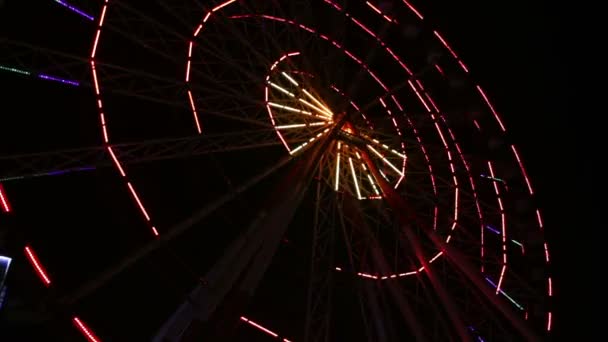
(290, 79)
(371, 181)
(291, 109)
(281, 89)
(352, 169)
(318, 102)
(321, 111)
(320, 123)
(298, 148)
(382, 174)
(338, 167)
(385, 160)
(292, 152)
(395, 152)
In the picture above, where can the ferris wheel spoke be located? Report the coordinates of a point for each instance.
(128, 15)
(73, 70)
(181, 11)
(225, 27)
(85, 159)
(42, 63)
(168, 41)
(175, 231)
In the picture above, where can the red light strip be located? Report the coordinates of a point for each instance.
(540, 220)
(447, 46)
(446, 147)
(193, 107)
(259, 327)
(335, 5)
(411, 7)
(476, 125)
(503, 228)
(35, 262)
(103, 122)
(86, 331)
(189, 61)
(468, 170)
(116, 162)
(138, 201)
(523, 171)
(377, 10)
(439, 69)
(496, 116)
(220, 6)
(426, 106)
(371, 33)
(4, 200)
(549, 280)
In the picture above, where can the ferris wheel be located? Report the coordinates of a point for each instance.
(274, 170)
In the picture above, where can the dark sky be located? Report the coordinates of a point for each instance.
(515, 50)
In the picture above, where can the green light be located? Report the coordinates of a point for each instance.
(6, 179)
(518, 243)
(512, 300)
(17, 71)
(493, 178)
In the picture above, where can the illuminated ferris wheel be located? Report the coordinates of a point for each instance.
(296, 161)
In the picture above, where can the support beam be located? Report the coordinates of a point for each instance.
(213, 308)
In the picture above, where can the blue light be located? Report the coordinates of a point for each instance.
(476, 334)
(3, 291)
(5, 263)
(492, 229)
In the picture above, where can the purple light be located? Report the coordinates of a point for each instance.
(56, 79)
(492, 229)
(62, 172)
(476, 334)
(74, 9)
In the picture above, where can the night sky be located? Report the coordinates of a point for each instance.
(514, 49)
